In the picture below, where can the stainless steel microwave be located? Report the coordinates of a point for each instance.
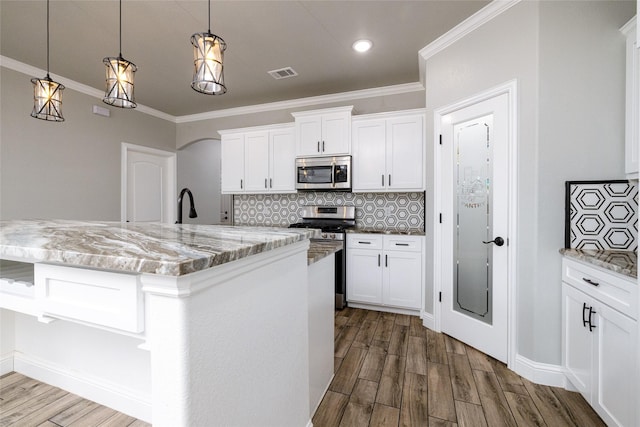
(323, 173)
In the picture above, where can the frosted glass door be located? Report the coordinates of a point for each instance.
(472, 255)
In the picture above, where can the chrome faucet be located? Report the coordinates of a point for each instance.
(192, 210)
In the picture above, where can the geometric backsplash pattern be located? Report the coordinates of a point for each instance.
(601, 215)
(379, 211)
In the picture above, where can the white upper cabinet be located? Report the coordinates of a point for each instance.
(323, 132)
(232, 164)
(632, 107)
(282, 158)
(388, 152)
(258, 160)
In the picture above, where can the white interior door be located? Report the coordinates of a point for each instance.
(475, 206)
(148, 184)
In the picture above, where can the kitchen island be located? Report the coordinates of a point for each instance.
(179, 325)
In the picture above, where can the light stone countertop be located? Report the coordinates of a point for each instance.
(622, 262)
(319, 249)
(165, 249)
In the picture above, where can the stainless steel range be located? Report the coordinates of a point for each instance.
(332, 222)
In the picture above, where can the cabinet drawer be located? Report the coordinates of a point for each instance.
(617, 291)
(114, 300)
(364, 241)
(402, 243)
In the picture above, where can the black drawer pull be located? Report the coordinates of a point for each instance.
(402, 244)
(364, 243)
(591, 325)
(584, 319)
(591, 282)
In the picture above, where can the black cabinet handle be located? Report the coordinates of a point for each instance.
(402, 244)
(591, 282)
(382, 176)
(364, 243)
(265, 183)
(591, 325)
(378, 260)
(584, 319)
(386, 260)
(323, 146)
(389, 180)
(318, 146)
(270, 182)
(241, 184)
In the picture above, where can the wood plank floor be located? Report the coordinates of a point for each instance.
(389, 371)
(25, 402)
(392, 371)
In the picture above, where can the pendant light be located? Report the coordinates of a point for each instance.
(208, 52)
(119, 92)
(47, 94)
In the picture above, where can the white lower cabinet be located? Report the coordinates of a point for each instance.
(385, 270)
(599, 341)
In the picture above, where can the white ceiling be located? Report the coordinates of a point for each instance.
(312, 37)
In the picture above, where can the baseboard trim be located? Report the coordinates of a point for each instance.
(428, 320)
(384, 308)
(540, 373)
(114, 396)
(6, 363)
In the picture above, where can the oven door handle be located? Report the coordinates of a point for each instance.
(333, 175)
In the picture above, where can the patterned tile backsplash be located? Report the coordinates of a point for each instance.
(400, 211)
(602, 215)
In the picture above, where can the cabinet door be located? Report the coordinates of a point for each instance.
(578, 343)
(369, 171)
(336, 134)
(616, 384)
(402, 279)
(309, 135)
(282, 152)
(256, 161)
(405, 139)
(632, 107)
(232, 163)
(364, 276)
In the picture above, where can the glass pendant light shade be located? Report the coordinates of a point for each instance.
(208, 52)
(47, 94)
(47, 99)
(119, 92)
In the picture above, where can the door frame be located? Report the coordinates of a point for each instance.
(511, 89)
(171, 192)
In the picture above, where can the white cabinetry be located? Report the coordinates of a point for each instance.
(323, 132)
(258, 160)
(385, 271)
(599, 332)
(388, 152)
(632, 105)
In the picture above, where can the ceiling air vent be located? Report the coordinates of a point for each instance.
(282, 73)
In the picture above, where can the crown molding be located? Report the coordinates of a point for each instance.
(228, 112)
(305, 102)
(475, 21)
(23, 68)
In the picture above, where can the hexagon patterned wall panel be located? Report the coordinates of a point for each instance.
(380, 211)
(601, 215)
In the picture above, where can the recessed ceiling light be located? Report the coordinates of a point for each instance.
(362, 45)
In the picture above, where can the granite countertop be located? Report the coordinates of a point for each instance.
(166, 249)
(622, 262)
(407, 232)
(319, 249)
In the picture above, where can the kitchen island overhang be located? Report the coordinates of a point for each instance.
(227, 343)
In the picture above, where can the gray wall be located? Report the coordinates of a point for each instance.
(568, 58)
(199, 170)
(194, 131)
(68, 170)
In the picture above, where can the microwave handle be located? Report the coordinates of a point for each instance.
(333, 175)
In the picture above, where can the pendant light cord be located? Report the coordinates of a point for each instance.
(47, 38)
(120, 28)
(209, 16)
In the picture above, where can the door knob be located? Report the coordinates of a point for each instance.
(499, 241)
